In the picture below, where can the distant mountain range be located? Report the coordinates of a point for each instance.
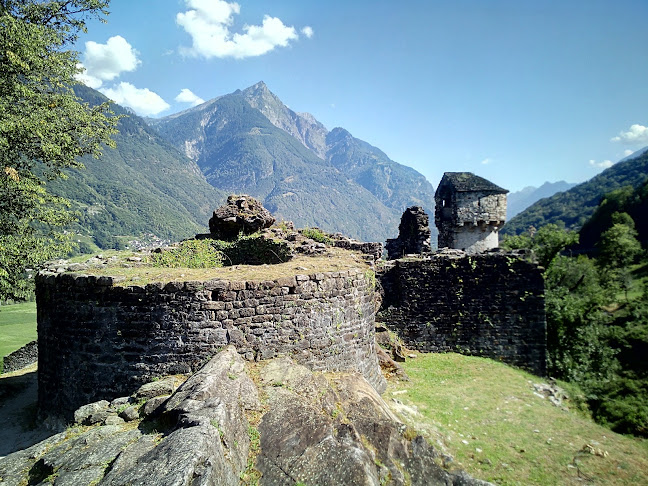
(520, 200)
(166, 176)
(250, 142)
(576, 205)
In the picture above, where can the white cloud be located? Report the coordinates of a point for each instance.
(627, 152)
(105, 62)
(143, 101)
(606, 164)
(486, 161)
(308, 31)
(208, 23)
(636, 135)
(85, 78)
(187, 96)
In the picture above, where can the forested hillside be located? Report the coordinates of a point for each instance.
(633, 201)
(144, 185)
(516, 202)
(575, 206)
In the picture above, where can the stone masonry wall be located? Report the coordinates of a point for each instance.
(488, 305)
(99, 341)
(475, 239)
(476, 207)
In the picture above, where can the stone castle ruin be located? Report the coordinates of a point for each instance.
(469, 212)
(413, 234)
(99, 338)
(468, 297)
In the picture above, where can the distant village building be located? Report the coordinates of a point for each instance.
(469, 212)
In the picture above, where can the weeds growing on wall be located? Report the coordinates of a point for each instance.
(189, 254)
(316, 234)
(252, 249)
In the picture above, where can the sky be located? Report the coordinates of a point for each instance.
(520, 92)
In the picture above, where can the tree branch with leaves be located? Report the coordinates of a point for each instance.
(44, 129)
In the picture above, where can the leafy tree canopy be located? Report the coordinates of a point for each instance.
(619, 246)
(44, 127)
(546, 243)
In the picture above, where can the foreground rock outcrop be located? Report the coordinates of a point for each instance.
(233, 423)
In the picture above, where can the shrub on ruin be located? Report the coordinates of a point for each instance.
(189, 254)
(254, 249)
(316, 234)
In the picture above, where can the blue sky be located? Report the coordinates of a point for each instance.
(520, 92)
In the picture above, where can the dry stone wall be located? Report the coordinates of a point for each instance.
(100, 341)
(488, 305)
(21, 358)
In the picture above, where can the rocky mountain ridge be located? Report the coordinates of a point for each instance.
(249, 141)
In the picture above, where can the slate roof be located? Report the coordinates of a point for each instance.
(469, 182)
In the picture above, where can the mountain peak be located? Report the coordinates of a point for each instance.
(305, 128)
(258, 89)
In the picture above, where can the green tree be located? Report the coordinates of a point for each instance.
(619, 246)
(618, 249)
(546, 243)
(577, 329)
(577, 324)
(44, 128)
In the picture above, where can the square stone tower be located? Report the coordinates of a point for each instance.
(469, 212)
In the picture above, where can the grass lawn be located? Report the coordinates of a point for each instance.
(17, 326)
(486, 415)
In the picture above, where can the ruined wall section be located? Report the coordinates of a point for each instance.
(488, 305)
(100, 341)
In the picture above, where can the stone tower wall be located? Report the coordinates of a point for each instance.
(474, 238)
(480, 207)
(488, 305)
(101, 341)
(470, 221)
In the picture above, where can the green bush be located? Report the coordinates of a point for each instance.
(189, 254)
(622, 405)
(249, 250)
(316, 234)
(253, 250)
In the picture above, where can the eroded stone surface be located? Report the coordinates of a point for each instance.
(165, 386)
(413, 234)
(335, 429)
(241, 214)
(318, 428)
